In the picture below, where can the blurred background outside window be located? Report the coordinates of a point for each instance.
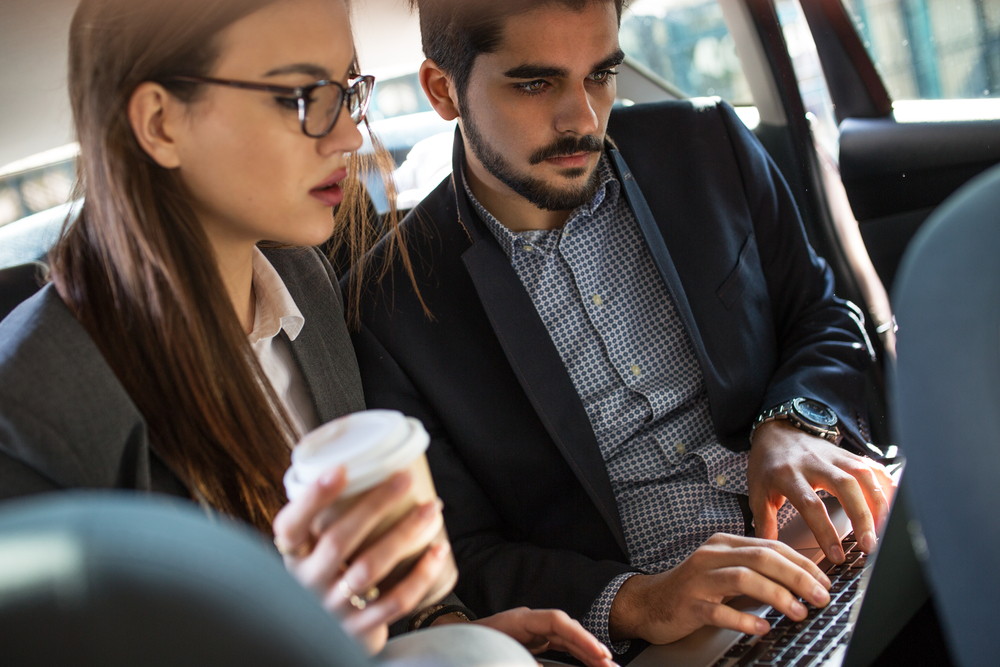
(932, 49)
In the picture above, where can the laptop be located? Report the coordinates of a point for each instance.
(872, 598)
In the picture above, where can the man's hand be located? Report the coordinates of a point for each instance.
(788, 463)
(665, 607)
(541, 630)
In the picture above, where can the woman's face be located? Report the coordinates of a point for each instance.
(253, 174)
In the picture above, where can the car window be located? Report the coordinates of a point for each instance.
(809, 74)
(932, 49)
(37, 183)
(686, 42)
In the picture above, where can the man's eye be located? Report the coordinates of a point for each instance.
(604, 76)
(531, 87)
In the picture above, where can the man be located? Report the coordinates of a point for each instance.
(596, 331)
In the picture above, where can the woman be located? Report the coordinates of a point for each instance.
(183, 358)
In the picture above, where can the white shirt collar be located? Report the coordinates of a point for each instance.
(275, 308)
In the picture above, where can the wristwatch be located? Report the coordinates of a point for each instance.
(806, 415)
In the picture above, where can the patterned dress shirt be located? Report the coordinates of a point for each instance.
(616, 328)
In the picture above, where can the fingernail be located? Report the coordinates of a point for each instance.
(400, 481)
(762, 627)
(820, 597)
(439, 551)
(836, 553)
(825, 581)
(868, 541)
(798, 608)
(331, 476)
(430, 509)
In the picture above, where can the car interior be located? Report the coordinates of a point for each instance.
(870, 123)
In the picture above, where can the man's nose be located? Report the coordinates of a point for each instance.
(576, 112)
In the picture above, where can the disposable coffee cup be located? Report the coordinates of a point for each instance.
(372, 445)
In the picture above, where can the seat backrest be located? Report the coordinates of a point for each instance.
(29, 239)
(17, 283)
(117, 578)
(946, 392)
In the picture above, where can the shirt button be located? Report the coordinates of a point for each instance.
(597, 300)
(681, 448)
(636, 370)
(721, 480)
(527, 248)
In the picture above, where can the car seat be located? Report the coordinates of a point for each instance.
(946, 391)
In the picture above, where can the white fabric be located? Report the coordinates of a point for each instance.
(276, 310)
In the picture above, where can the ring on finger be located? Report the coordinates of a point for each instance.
(296, 551)
(358, 601)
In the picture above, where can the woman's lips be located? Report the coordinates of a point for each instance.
(329, 191)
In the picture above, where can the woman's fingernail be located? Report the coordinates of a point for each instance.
(762, 626)
(331, 476)
(798, 608)
(429, 509)
(836, 552)
(439, 551)
(400, 481)
(820, 597)
(825, 581)
(868, 541)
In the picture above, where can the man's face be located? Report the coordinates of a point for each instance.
(536, 110)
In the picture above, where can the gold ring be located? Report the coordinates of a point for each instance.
(301, 551)
(359, 602)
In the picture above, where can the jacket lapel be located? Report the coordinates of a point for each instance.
(323, 349)
(533, 356)
(658, 249)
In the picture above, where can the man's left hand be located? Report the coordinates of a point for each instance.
(786, 463)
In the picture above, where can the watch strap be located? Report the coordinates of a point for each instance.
(787, 411)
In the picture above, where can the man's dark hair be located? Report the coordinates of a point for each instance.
(455, 32)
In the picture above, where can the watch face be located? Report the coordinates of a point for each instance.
(815, 412)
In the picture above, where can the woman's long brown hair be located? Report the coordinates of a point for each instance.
(137, 270)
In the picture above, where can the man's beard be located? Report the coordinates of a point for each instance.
(535, 190)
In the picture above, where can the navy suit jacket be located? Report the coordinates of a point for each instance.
(528, 502)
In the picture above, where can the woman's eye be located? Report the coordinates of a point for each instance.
(288, 102)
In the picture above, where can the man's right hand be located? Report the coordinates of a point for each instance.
(665, 607)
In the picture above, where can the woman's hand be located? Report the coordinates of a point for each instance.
(664, 607)
(323, 558)
(541, 630)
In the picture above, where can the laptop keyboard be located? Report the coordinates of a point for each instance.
(808, 642)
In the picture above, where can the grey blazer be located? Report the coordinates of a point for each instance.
(66, 421)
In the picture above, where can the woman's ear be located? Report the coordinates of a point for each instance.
(439, 90)
(153, 114)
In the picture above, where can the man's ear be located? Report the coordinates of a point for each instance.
(438, 87)
(152, 112)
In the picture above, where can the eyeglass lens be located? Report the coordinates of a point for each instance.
(324, 103)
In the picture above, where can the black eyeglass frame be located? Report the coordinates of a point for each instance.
(301, 95)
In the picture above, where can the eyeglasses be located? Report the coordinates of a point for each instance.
(319, 103)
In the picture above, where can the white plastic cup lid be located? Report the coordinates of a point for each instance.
(371, 444)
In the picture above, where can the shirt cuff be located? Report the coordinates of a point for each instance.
(595, 621)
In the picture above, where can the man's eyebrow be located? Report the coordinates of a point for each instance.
(535, 72)
(314, 71)
(547, 71)
(615, 59)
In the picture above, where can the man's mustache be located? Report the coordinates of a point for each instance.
(567, 146)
